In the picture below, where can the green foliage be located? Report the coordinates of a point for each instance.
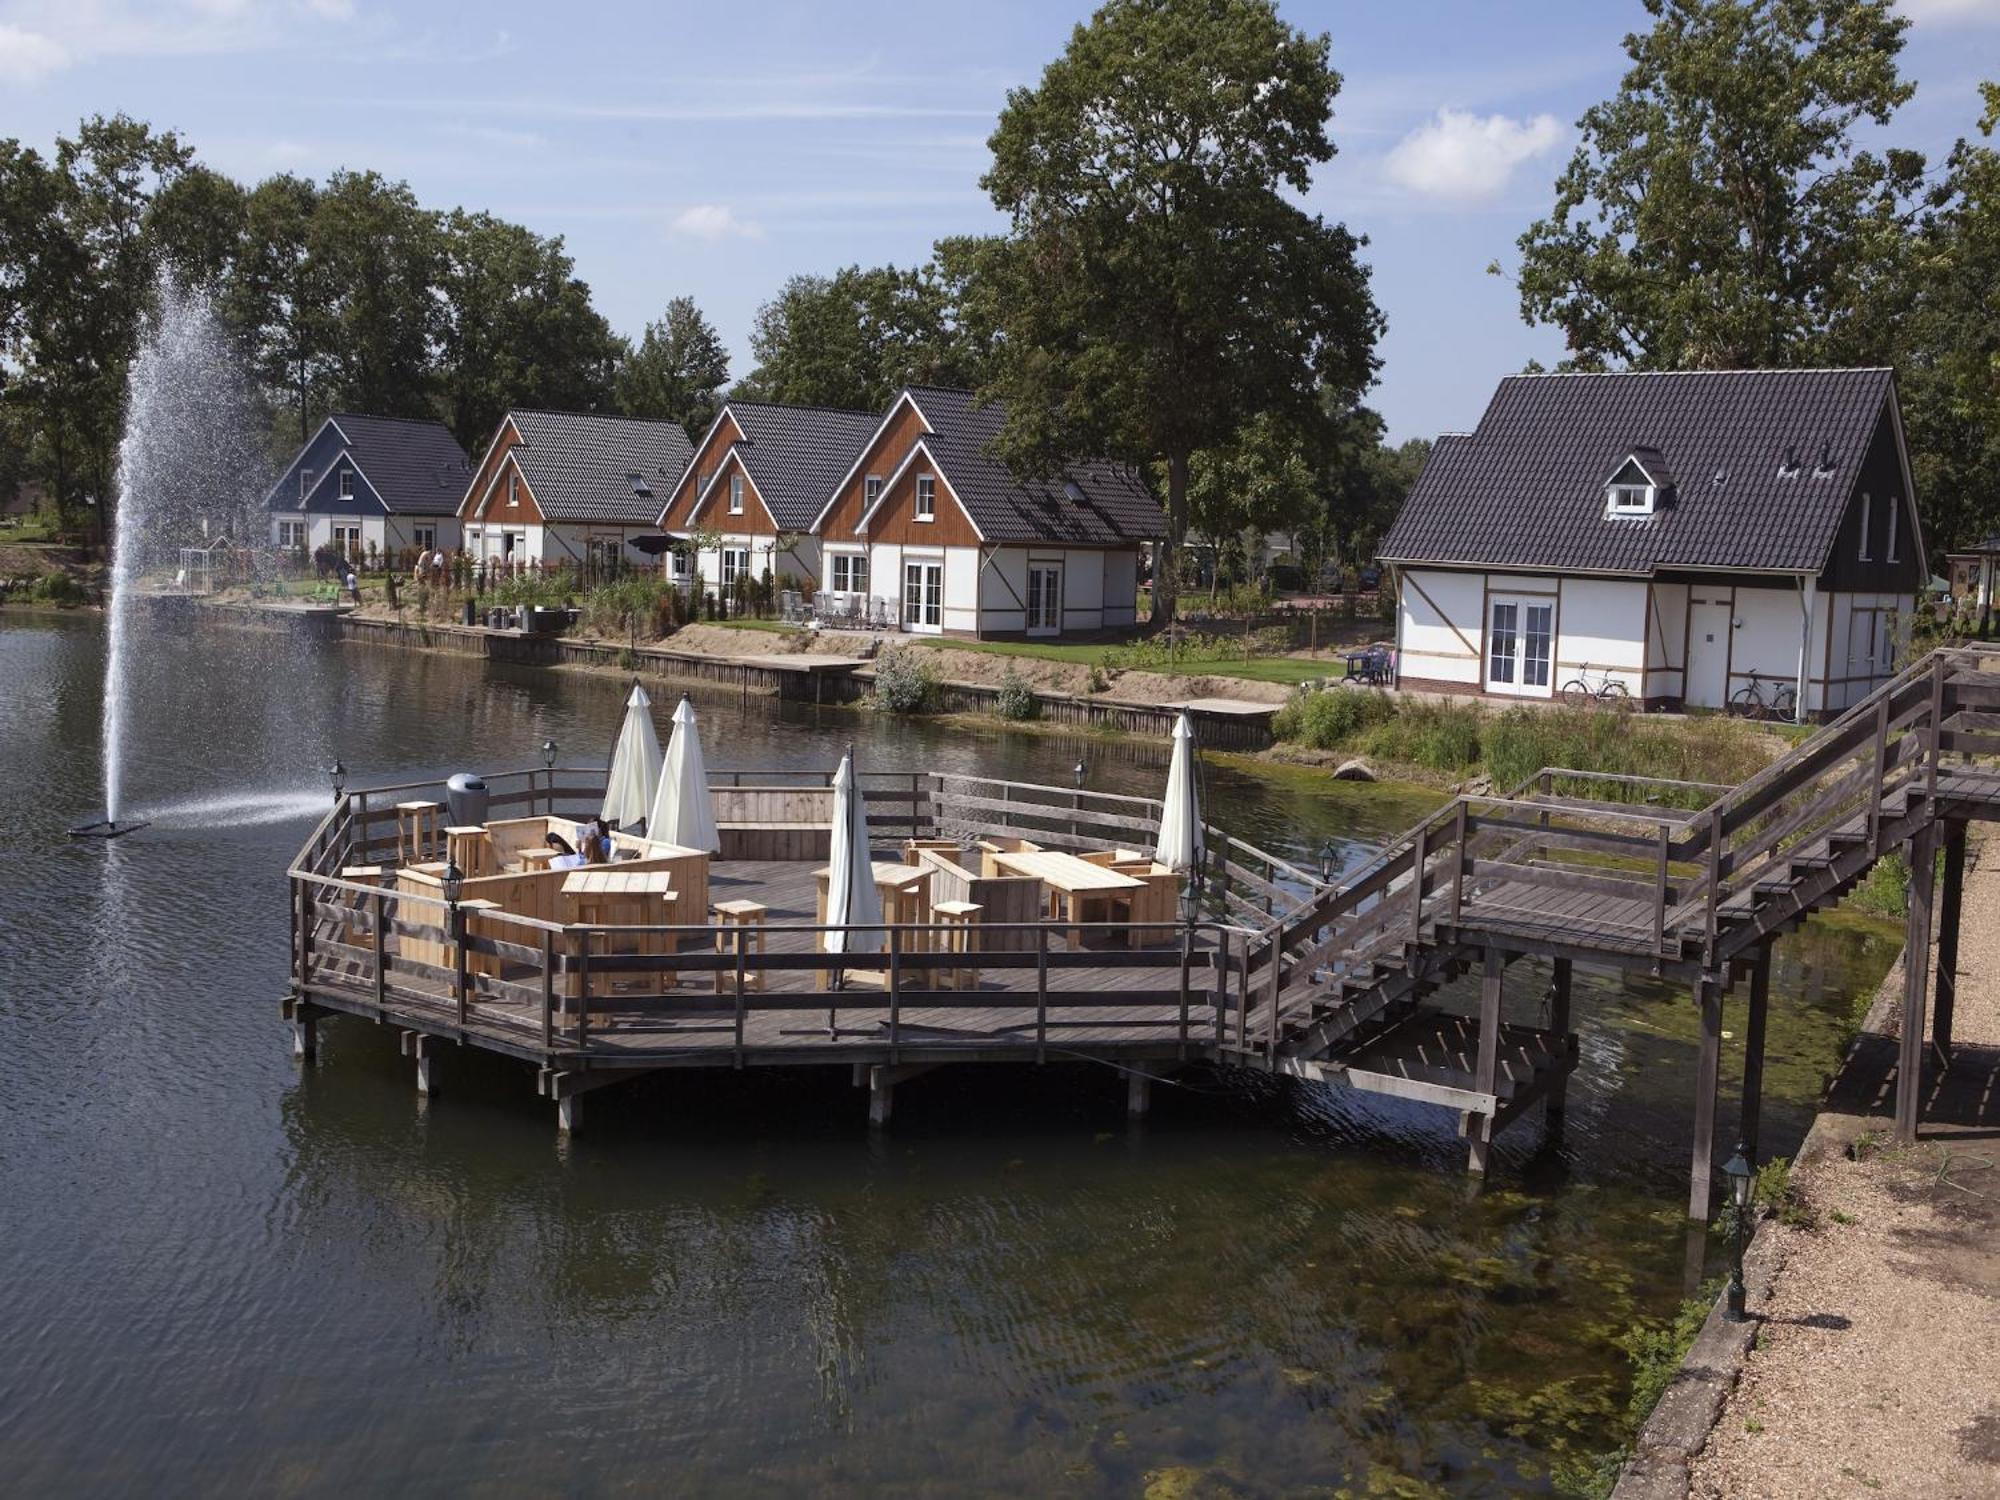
(532, 589)
(1016, 700)
(58, 589)
(1885, 890)
(1445, 737)
(1718, 211)
(906, 682)
(677, 370)
(1332, 719)
(1160, 284)
(1656, 1350)
(857, 337)
(1774, 1190)
(630, 606)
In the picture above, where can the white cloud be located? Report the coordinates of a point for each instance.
(714, 221)
(1468, 158)
(1951, 12)
(26, 56)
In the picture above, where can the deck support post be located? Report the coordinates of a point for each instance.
(1559, 986)
(881, 1096)
(1752, 1111)
(1951, 898)
(1916, 983)
(569, 1113)
(305, 1032)
(1707, 1077)
(1479, 1128)
(1138, 1095)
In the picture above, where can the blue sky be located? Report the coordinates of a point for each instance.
(713, 150)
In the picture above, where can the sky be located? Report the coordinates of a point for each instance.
(712, 150)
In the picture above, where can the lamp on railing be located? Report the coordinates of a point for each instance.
(1329, 862)
(548, 755)
(337, 773)
(1078, 772)
(1191, 897)
(1742, 1179)
(452, 881)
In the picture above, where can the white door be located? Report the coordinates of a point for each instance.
(1520, 645)
(1045, 599)
(923, 597)
(1708, 653)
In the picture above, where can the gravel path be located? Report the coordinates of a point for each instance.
(1877, 1369)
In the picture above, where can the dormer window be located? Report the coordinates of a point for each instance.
(305, 482)
(926, 497)
(736, 494)
(347, 484)
(514, 489)
(1632, 491)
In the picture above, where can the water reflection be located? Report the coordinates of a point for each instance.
(304, 1281)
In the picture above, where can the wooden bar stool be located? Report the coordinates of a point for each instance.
(419, 831)
(740, 929)
(467, 846)
(957, 919)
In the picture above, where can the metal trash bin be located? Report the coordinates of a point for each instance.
(465, 800)
(471, 615)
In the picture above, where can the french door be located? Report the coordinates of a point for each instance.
(1520, 645)
(923, 596)
(1045, 599)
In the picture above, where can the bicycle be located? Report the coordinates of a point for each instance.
(1750, 701)
(1581, 692)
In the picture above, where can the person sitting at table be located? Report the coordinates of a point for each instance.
(560, 844)
(596, 844)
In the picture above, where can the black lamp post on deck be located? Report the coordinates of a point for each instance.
(337, 774)
(1742, 1178)
(549, 765)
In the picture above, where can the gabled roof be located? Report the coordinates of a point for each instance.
(795, 454)
(415, 466)
(1526, 488)
(580, 466)
(1094, 502)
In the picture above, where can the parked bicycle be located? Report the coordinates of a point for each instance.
(1603, 689)
(1754, 702)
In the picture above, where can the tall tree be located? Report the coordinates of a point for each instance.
(677, 370)
(855, 338)
(197, 225)
(1718, 211)
(380, 258)
(516, 327)
(1161, 284)
(278, 299)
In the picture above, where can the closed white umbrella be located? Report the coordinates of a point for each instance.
(683, 812)
(1180, 846)
(851, 897)
(635, 763)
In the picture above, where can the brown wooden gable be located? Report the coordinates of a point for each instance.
(895, 519)
(715, 444)
(486, 500)
(890, 447)
(756, 518)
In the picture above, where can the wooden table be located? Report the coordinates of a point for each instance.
(1076, 887)
(466, 846)
(904, 890)
(603, 896)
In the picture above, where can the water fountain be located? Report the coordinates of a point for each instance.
(188, 464)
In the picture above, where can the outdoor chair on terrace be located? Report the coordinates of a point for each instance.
(1370, 666)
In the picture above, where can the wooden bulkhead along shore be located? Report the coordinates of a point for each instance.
(1028, 924)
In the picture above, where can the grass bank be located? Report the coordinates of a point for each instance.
(1193, 656)
(1423, 739)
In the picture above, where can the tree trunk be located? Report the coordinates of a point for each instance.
(1166, 577)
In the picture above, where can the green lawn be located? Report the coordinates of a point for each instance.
(772, 627)
(1281, 669)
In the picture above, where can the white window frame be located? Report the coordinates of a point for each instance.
(1628, 499)
(735, 563)
(1518, 659)
(346, 483)
(305, 482)
(1895, 510)
(926, 498)
(736, 494)
(847, 573)
(871, 490)
(291, 535)
(1867, 521)
(514, 491)
(424, 538)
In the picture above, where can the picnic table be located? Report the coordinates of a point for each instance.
(1077, 888)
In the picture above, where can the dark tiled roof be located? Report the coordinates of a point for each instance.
(1109, 504)
(416, 466)
(580, 465)
(797, 454)
(1526, 489)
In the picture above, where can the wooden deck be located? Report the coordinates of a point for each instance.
(1670, 879)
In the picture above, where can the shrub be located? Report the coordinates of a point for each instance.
(905, 682)
(1437, 736)
(530, 589)
(1016, 700)
(1332, 718)
(624, 608)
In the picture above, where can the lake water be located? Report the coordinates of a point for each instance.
(221, 1272)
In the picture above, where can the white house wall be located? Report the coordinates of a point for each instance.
(1003, 590)
(1600, 630)
(1121, 589)
(961, 590)
(1666, 642)
(1438, 626)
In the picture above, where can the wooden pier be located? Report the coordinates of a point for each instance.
(1276, 971)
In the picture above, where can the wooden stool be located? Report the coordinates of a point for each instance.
(740, 929)
(419, 831)
(467, 847)
(470, 911)
(957, 919)
(911, 846)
